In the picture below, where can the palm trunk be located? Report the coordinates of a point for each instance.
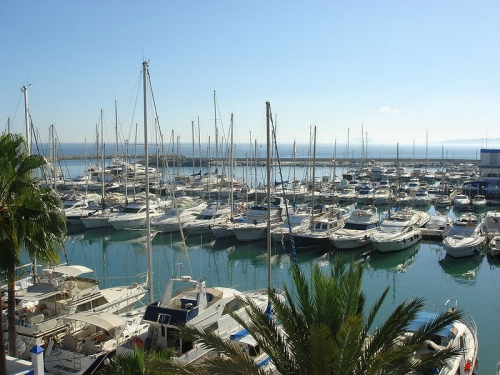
(11, 310)
(3, 354)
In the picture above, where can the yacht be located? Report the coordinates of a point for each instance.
(134, 215)
(294, 222)
(77, 208)
(318, 234)
(100, 218)
(60, 292)
(389, 238)
(253, 225)
(191, 302)
(400, 230)
(461, 201)
(357, 230)
(437, 227)
(466, 236)
(479, 201)
(348, 195)
(91, 339)
(459, 334)
(421, 198)
(494, 247)
(442, 200)
(365, 195)
(186, 208)
(215, 213)
(382, 196)
(491, 223)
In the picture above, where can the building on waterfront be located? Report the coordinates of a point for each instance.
(488, 182)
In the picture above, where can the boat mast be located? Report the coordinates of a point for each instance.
(268, 195)
(103, 204)
(146, 158)
(24, 89)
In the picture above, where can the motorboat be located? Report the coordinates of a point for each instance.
(62, 291)
(403, 198)
(253, 225)
(399, 230)
(318, 234)
(77, 208)
(358, 228)
(134, 215)
(92, 338)
(382, 196)
(100, 218)
(491, 223)
(442, 200)
(294, 222)
(389, 238)
(421, 198)
(479, 201)
(365, 194)
(459, 334)
(347, 195)
(494, 247)
(461, 201)
(191, 302)
(437, 227)
(185, 209)
(215, 213)
(466, 236)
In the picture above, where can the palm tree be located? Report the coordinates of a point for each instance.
(322, 329)
(135, 363)
(31, 216)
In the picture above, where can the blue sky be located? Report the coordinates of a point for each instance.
(399, 69)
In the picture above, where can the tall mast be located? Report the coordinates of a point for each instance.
(116, 130)
(24, 89)
(145, 74)
(192, 136)
(268, 194)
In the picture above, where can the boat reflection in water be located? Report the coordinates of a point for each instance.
(463, 270)
(397, 262)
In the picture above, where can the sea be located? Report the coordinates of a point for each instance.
(424, 270)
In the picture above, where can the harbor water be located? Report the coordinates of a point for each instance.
(120, 258)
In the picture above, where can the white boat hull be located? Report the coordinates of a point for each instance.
(385, 243)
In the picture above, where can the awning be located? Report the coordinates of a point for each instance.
(37, 292)
(103, 320)
(72, 270)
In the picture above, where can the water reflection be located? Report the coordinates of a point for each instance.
(398, 261)
(463, 270)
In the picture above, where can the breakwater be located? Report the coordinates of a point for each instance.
(184, 161)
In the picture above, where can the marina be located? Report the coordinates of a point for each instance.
(117, 254)
(423, 269)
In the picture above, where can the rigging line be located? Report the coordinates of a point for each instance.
(137, 91)
(292, 241)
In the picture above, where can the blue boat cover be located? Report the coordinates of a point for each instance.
(425, 317)
(238, 335)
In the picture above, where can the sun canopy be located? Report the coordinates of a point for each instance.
(72, 270)
(426, 317)
(37, 292)
(102, 320)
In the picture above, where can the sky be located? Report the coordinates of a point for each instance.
(391, 71)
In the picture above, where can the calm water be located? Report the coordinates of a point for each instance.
(423, 270)
(118, 258)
